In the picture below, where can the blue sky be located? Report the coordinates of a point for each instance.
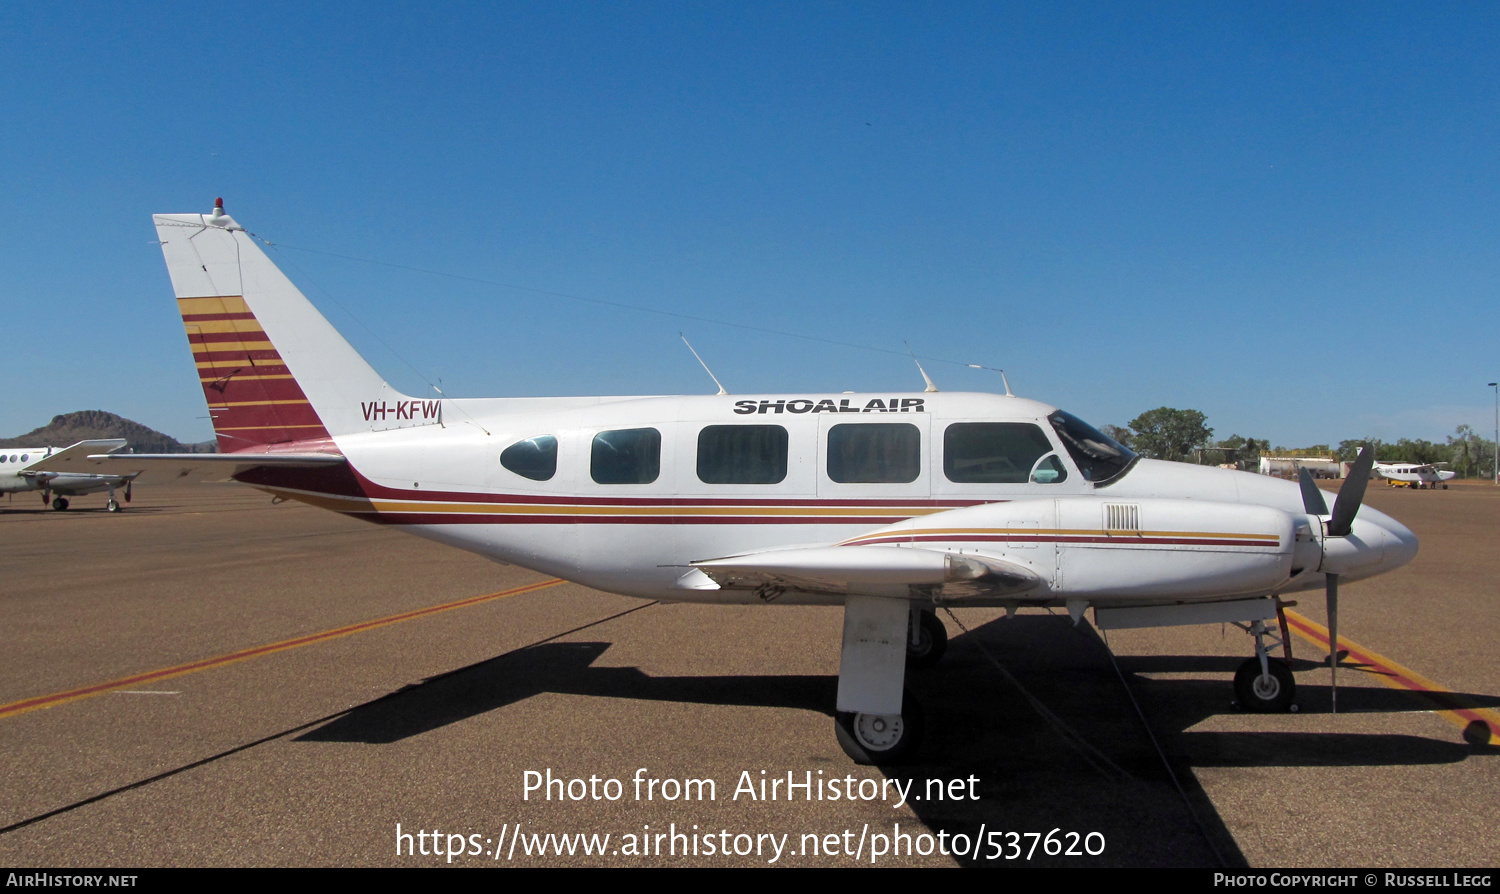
(1281, 214)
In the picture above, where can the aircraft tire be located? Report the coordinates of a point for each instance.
(112, 506)
(1259, 694)
(59, 503)
(881, 739)
(932, 642)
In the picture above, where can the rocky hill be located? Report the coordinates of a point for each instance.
(70, 428)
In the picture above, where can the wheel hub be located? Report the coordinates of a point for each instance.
(878, 731)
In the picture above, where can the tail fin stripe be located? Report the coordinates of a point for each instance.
(213, 317)
(255, 403)
(219, 306)
(230, 327)
(236, 359)
(272, 428)
(208, 379)
(274, 369)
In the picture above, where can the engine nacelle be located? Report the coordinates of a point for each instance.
(1098, 549)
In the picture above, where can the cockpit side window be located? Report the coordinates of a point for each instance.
(996, 453)
(1099, 457)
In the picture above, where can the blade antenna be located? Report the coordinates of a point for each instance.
(931, 388)
(702, 364)
(993, 369)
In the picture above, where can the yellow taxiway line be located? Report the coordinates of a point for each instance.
(1457, 709)
(73, 695)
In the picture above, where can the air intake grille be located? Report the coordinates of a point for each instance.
(1123, 518)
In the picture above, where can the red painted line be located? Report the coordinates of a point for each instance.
(57, 698)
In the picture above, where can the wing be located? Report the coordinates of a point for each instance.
(845, 569)
(159, 468)
(76, 458)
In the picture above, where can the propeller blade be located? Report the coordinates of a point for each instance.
(1312, 498)
(1333, 635)
(1351, 494)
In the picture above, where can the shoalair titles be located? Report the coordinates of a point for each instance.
(828, 405)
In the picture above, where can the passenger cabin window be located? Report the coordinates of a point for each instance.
(626, 456)
(742, 454)
(999, 453)
(874, 453)
(534, 458)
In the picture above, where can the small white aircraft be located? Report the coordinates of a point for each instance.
(1427, 475)
(890, 505)
(63, 473)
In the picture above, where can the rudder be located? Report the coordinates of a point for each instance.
(273, 369)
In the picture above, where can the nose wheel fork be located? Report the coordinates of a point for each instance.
(1263, 684)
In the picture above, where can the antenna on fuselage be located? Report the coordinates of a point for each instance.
(992, 369)
(931, 388)
(702, 364)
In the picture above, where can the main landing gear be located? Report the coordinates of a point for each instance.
(871, 737)
(877, 721)
(1264, 684)
(60, 503)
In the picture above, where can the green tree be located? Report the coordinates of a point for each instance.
(1243, 452)
(1120, 435)
(1167, 433)
(1461, 447)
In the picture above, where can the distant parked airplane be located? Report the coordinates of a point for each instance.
(53, 472)
(1414, 475)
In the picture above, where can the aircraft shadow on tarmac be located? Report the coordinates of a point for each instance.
(1092, 767)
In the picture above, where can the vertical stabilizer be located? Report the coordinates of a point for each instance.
(273, 369)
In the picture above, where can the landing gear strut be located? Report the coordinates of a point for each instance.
(1264, 684)
(876, 720)
(927, 639)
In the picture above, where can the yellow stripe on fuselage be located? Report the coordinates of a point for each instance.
(364, 504)
(1124, 536)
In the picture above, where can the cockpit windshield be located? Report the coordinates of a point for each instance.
(1100, 458)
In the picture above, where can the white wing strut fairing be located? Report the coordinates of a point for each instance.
(887, 504)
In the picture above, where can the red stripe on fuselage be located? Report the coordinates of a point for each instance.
(345, 481)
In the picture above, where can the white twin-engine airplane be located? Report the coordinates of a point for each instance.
(60, 474)
(1415, 475)
(890, 505)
